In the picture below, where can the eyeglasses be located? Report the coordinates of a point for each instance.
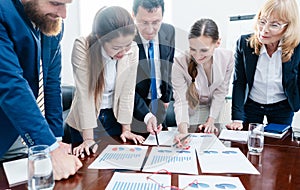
(273, 26)
(194, 184)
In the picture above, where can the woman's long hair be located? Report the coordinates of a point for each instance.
(287, 11)
(109, 23)
(203, 27)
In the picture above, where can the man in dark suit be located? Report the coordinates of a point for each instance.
(30, 32)
(148, 15)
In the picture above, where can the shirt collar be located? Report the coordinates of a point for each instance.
(264, 50)
(144, 41)
(105, 56)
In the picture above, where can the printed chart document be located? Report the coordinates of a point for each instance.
(129, 157)
(203, 141)
(229, 160)
(138, 181)
(165, 138)
(16, 171)
(190, 182)
(232, 135)
(171, 159)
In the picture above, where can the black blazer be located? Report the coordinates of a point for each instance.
(245, 66)
(166, 37)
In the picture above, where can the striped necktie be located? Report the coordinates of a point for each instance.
(40, 98)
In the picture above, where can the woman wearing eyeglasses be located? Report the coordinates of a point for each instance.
(267, 79)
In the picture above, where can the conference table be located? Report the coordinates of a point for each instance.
(279, 167)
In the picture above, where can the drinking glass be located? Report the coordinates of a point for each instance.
(255, 138)
(40, 172)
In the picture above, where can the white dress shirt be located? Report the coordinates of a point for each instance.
(110, 73)
(156, 61)
(267, 86)
(157, 69)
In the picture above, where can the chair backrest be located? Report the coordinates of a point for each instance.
(67, 96)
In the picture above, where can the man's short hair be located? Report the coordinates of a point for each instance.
(148, 5)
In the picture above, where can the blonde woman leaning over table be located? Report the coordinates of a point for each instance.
(200, 79)
(105, 66)
(266, 80)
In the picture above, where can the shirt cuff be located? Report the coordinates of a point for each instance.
(59, 138)
(238, 121)
(54, 146)
(147, 117)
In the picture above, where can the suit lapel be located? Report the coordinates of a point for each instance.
(218, 75)
(143, 61)
(250, 65)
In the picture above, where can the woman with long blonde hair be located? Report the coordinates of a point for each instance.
(266, 80)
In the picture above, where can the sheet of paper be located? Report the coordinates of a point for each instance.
(232, 135)
(164, 138)
(129, 157)
(209, 182)
(16, 171)
(171, 159)
(121, 181)
(229, 160)
(203, 141)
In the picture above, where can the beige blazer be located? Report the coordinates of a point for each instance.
(84, 112)
(222, 67)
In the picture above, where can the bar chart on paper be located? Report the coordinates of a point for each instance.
(120, 157)
(172, 160)
(121, 181)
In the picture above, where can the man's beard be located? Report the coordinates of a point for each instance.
(46, 25)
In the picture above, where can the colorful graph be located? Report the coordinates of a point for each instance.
(225, 186)
(169, 159)
(121, 185)
(120, 157)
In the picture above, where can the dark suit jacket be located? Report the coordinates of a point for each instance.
(166, 37)
(20, 53)
(245, 66)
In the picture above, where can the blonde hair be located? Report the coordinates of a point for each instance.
(287, 11)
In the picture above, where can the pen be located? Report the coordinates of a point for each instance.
(156, 138)
(181, 140)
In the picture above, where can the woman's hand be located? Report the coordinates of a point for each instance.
(131, 136)
(180, 143)
(235, 126)
(183, 132)
(209, 126)
(127, 134)
(85, 147)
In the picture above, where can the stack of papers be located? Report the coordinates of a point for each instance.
(229, 160)
(129, 157)
(165, 138)
(209, 182)
(232, 135)
(121, 181)
(276, 130)
(16, 171)
(172, 159)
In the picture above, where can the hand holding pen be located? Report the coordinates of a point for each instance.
(181, 140)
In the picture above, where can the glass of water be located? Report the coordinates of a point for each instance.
(255, 138)
(40, 173)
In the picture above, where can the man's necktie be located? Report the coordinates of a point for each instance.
(40, 98)
(152, 78)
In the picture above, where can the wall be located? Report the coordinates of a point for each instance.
(181, 13)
